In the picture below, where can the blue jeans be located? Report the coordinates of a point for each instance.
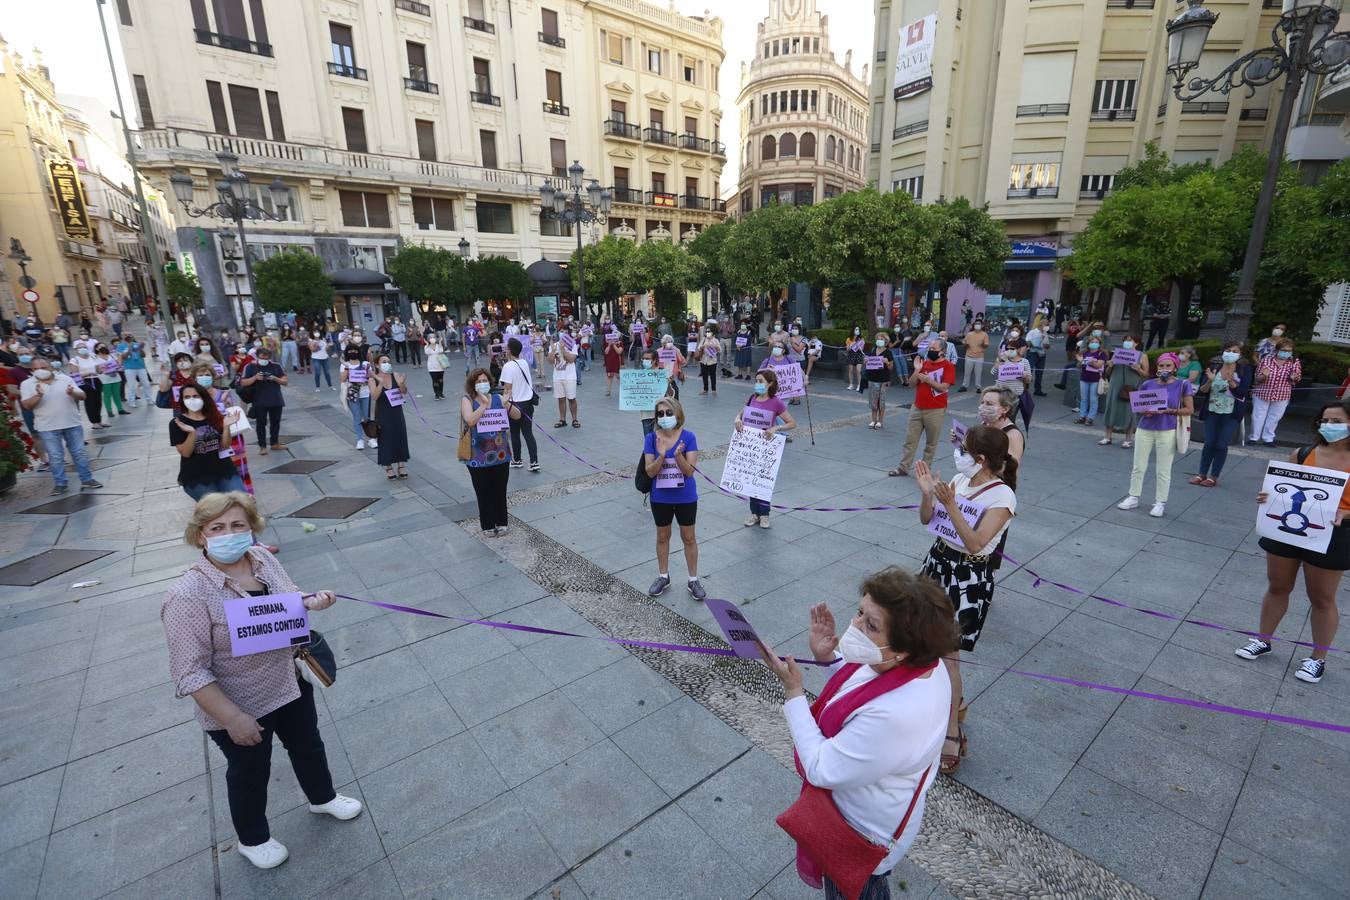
(1038, 367)
(224, 485)
(1087, 399)
(1219, 431)
(360, 409)
(901, 364)
(877, 888)
(321, 365)
(56, 442)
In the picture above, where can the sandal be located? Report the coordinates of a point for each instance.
(1209, 482)
(560, 424)
(949, 763)
(898, 472)
(1127, 444)
(1198, 479)
(389, 473)
(576, 424)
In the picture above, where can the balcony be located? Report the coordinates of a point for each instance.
(1162, 109)
(1093, 193)
(485, 98)
(230, 42)
(1205, 107)
(1129, 4)
(661, 198)
(480, 25)
(1034, 193)
(1113, 115)
(913, 128)
(552, 40)
(347, 71)
(1257, 114)
(694, 201)
(876, 146)
(656, 135)
(1319, 118)
(418, 84)
(1042, 109)
(620, 129)
(413, 6)
(555, 107)
(694, 142)
(626, 195)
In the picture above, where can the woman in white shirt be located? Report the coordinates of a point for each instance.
(354, 379)
(963, 558)
(86, 367)
(874, 736)
(437, 360)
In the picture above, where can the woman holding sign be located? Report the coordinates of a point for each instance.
(1157, 433)
(388, 392)
(878, 366)
(244, 695)
(1124, 370)
(853, 356)
(670, 454)
(613, 359)
(486, 419)
(706, 353)
(764, 411)
(1322, 572)
(743, 352)
(969, 516)
(354, 379)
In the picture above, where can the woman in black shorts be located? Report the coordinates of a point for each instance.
(1321, 571)
(670, 454)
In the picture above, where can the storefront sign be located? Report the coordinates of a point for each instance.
(70, 200)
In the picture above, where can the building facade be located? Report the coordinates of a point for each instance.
(399, 120)
(1032, 107)
(803, 122)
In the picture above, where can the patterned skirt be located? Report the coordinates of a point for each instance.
(969, 584)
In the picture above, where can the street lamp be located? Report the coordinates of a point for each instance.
(234, 204)
(576, 207)
(464, 248)
(26, 281)
(1302, 43)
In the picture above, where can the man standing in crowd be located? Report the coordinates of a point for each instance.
(976, 342)
(54, 401)
(932, 379)
(1159, 317)
(267, 379)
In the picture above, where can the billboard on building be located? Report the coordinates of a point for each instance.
(914, 59)
(70, 200)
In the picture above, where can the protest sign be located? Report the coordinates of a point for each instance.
(754, 417)
(667, 355)
(751, 467)
(1148, 401)
(259, 624)
(941, 523)
(741, 341)
(958, 433)
(394, 396)
(612, 337)
(690, 346)
(740, 634)
(874, 362)
(1301, 504)
(789, 380)
(1010, 372)
(492, 420)
(1123, 357)
(357, 375)
(670, 475)
(639, 389)
(568, 343)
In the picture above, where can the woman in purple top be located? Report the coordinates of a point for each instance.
(1091, 362)
(670, 453)
(765, 411)
(1157, 433)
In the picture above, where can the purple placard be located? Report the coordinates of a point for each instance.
(493, 420)
(176, 391)
(710, 352)
(958, 433)
(77, 378)
(754, 417)
(1123, 357)
(873, 363)
(109, 367)
(358, 375)
(941, 523)
(740, 634)
(218, 369)
(667, 355)
(1148, 401)
(568, 343)
(670, 475)
(638, 328)
(1010, 372)
(789, 381)
(395, 396)
(741, 341)
(690, 346)
(273, 622)
(612, 337)
(922, 347)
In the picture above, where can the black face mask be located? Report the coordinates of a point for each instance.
(934, 355)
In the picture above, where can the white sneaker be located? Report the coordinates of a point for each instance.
(751, 522)
(316, 390)
(372, 443)
(267, 855)
(1158, 510)
(339, 807)
(1130, 502)
(361, 444)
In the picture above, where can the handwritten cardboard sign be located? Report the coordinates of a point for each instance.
(259, 624)
(872, 363)
(941, 523)
(492, 420)
(1123, 357)
(1010, 371)
(639, 389)
(751, 467)
(740, 634)
(1148, 401)
(790, 380)
(1301, 503)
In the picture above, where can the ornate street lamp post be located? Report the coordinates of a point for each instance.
(1302, 43)
(26, 281)
(235, 205)
(569, 205)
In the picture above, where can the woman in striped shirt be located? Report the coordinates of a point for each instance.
(1275, 379)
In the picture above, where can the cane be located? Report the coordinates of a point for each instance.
(811, 426)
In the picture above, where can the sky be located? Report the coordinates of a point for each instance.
(68, 34)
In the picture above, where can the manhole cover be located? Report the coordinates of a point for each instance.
(72, 504)
(48, 564)
(301, 467)
(114, 438)
(333, 508)
(291, 438)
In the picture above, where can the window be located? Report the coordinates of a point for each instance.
(199, 20)
(1094, 184)
(557, 151)
(143, 101)
(426, 139)
(274, 116)
(1113, 94)
(691, 125)
(815, 95)
(766, 51)
(217, 99)
(261, 194)
(763, 105)
(614, 48)
(354, 127)
(494, 218)
(782, 101)
(687, 70)
(433, 213)
(621, 177)
(618, 111)
(230, 18)
(552, 226)
(344, 52)
(476, 10)
(691, 186)
(487, 144)
(806, 147)
(716, 73)
(830, 148)
(658, 117)
(364, 209)
(553, 86)
(1041, 177)
(787, 145)
(124, 13)
(768, 148)
(549, 22)
(417, 62)
(658, 182)
(255, 8)
(482, 76)
(654, 60)
(775, 48)
(912, 186)
(248, 115)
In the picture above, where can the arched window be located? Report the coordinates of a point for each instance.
(787, 145)
(829, 148)
(768, 148)
(806, 147)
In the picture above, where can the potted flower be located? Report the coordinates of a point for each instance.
(16, 448)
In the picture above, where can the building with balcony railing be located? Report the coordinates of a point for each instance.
(424, 122)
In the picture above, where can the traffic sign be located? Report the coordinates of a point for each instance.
(31, 296)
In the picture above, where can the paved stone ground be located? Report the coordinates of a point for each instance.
(503, 764)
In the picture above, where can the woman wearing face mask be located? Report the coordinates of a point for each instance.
(1189, 368)
(1117, 412)
(998, 408)
(86, 367)
(1091, 364)
(489, 448)
(875, 734)
(676, 367)
(225, 401)
(1322, 572)
(1157, 434)
(354, 379)
(769, 414)
(388, 391)
(670, 453)
(963, 565)
(853, 356)
(1227, 387)
(200, 432)
(1276, 375)
(878, 367)
(706, 353)
(207, 353)
(438, 360)
(290, 351)
(613, 361)
(1269, 345)
(110, 378)
(241, 701)
(648, 360)
(1012, 353)
(743, 352)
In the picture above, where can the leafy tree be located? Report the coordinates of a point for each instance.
(1156, 168)
(765, 251)
(498, 278)
(432, 274)
(848, 303)
(708, 248)
(183, 290)
(666, 269)
(967, 243)
(293, 281)
(604, 261)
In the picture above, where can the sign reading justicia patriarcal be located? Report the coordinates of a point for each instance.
(914, 59)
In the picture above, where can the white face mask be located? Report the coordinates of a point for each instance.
(42, 374)
(989, 412)
(667, 423)
(856, 647)
(483, 387)
(386, 368)
(964, 462)
(194, 404)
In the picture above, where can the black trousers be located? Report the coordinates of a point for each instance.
(93, 401)
(266, 415)
(525, 425)
(1157, 331)
(709, 373)
(1038, 368)
(249, 768)
(415, 352)
(400, 351)
(438, 384)
(489, 486)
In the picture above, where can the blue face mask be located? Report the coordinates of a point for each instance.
(25, 359)
(1332, 432)
(761, 388)
(229, 548)
(667, 423)
(1285, 354)
(204, 380)
(646, 364)
(1230, 356)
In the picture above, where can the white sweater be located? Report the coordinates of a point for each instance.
(873, 764)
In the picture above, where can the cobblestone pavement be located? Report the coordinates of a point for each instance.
(508, 764)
